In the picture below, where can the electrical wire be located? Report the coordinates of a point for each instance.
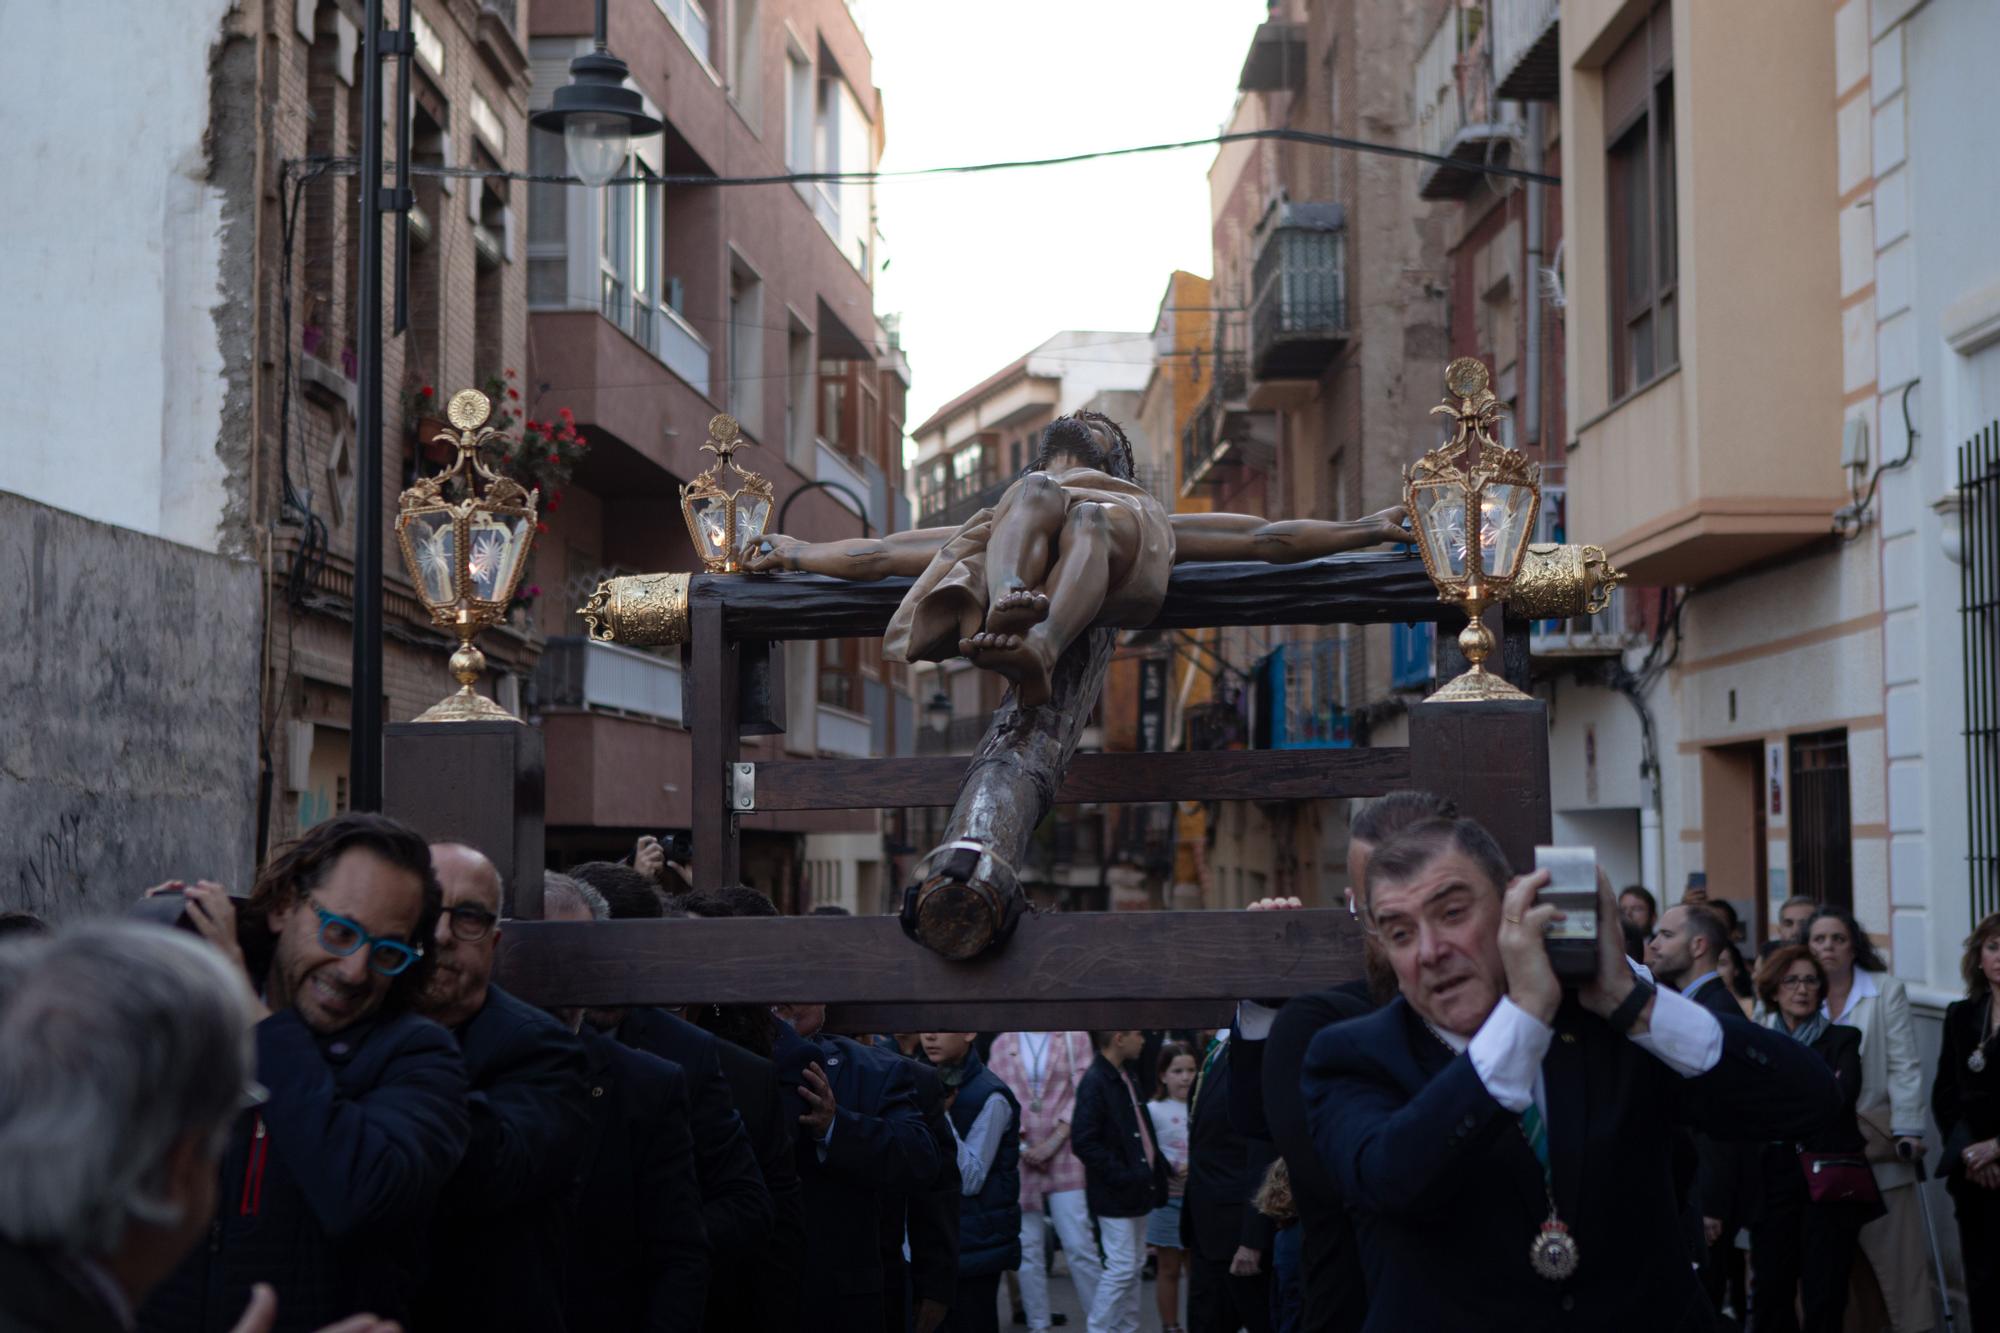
(1850, 520)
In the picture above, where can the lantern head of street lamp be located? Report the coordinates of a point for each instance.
(597, 116)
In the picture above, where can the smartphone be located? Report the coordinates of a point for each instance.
(1572, 889)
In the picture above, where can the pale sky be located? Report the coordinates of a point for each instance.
(984, 267)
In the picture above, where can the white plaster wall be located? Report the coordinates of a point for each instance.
(112, 263)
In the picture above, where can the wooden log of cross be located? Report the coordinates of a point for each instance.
(1154, 969)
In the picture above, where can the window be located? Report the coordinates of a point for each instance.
(840, 674)
(1639, 132)
(690, 20)
(548, 222)
(746, 348)
(629, 255)
(746, 62)
(798, 113)
(833, 424)
(492, 249)
(799, 420)
(1822, 836)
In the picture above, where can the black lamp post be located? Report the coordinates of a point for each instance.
(597, 115)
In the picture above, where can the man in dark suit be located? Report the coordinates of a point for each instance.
(1506, 1148)
(636, 1256)
(861, 1135)
(505, 1211)
(920, 1290)
(1124, 1174)
(1227, 1239)
(1683, 953)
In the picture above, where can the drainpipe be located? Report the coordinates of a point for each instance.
(1531, 334)
(1652, 847)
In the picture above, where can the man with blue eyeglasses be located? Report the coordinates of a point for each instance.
(327, 1190)
(505, 1212)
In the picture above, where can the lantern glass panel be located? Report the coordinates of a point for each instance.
(498, 546)
(752, 512)
(1441, 526)
(433, 541)
(1507, 515)
(711, 525)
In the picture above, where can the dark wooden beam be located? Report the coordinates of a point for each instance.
(1492, 760)
(1215, 775)
(479, 783)
(1031, 1016)
(1074, 957)
(711, 676)
(1355, 589)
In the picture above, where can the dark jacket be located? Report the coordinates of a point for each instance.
(1966, 1105)
(1335, 1292)
(989, 1225)
(1448, 1195)
(1728, 1176)
(761, 1289)
(636, 1256)
(41, 1292)
(1782, 1178)
(926, 1218)
(879, 1145)
(1225, 1169)
(327, 1190)
(1117, 1182)
(735, 1206)
(507, 1208)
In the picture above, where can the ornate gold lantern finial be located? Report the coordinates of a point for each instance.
(1472, 503)
(465, 549)
(723, 521)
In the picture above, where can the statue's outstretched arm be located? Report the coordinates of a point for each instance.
(1279, 542)
(863, 559)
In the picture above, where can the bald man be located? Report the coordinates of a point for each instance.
(498, 1240)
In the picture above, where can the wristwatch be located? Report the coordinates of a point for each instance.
(1627, 1013)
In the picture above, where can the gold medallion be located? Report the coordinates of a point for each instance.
(1553, 1254)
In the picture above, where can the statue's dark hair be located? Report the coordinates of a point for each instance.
(1091, 436)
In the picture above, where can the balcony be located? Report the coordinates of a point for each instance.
(957, 500)
(1601, 635)
(1411, 656)
(1459, 114)
(1527, 65)
(581, 673)
(1298, 316)
(1224, 431)
(843, 733)
(1303, 697)
(1276, 61)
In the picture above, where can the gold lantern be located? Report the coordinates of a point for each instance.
(466, 548)
(723, 521)
(1472, 504)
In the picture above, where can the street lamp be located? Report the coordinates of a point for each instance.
(596, 114)
(937, 713)
(1472, 504)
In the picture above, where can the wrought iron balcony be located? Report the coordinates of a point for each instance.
(1276, 60)
(1298, 316)
(1459, 113)
(1527, 65)
(1224, 431)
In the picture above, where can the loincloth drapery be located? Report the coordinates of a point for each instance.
(948, 601)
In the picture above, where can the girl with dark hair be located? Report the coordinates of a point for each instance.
(1861, 994)
(1803, 1247)
(1966, 1101)
(1163, 1227)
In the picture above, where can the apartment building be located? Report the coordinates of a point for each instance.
(654, 306)
(968, 452)
(1331, 294)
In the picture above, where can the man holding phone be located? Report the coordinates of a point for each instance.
(1507, 1136)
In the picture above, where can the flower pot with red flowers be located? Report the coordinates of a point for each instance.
(429, 430)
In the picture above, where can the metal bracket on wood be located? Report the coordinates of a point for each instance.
(742, 787)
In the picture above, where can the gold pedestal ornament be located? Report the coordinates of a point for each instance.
(466, 549)
(1472, 503)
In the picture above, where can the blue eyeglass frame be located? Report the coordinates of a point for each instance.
(401, 954)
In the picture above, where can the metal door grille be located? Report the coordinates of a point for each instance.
(1979, 621)
(1822, 832)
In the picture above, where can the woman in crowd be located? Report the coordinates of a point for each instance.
(1965, 1098)
(1861, 994)
(1803, 1246)
(1163, 1227)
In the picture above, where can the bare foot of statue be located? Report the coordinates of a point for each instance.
(1018, 657)
(1017, 612)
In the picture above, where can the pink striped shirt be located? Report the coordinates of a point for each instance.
(1066, 1056)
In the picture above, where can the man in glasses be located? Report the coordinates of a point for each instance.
(327, 1190)
(504, 1211)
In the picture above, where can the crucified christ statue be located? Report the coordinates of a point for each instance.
(1074, 542)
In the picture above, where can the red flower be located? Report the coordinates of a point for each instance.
(513, 393)
(428, 391)
(565, 414)
(556, 459)
(534, 590)
(509, 374)
(541, 527)
(555, 502)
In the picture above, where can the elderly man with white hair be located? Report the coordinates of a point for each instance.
(125, 1057)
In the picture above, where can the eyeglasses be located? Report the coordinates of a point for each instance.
(342, 937)
(471, 924)
(1799, 983)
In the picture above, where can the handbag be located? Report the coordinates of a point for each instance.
(1838, 1177)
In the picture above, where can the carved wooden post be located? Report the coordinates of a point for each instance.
(1492, 760)
(710, 680)
(965, 897)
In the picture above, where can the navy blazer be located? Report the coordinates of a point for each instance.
(327, 1190)
(879, 1145)
(506, 1210)
(1728, 1183)
(42, 1292)
(735, 1206)
(927, 1218)
(1225, 1170)
(1334, 1291)
(1104, 1135)
(636, 1257)
(760, 1288)
(1444, 1185)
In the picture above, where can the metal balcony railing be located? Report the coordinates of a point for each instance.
(1601, 635)
(1298, 316)
(1459, 115)
(583, 673)
(1527, 65)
